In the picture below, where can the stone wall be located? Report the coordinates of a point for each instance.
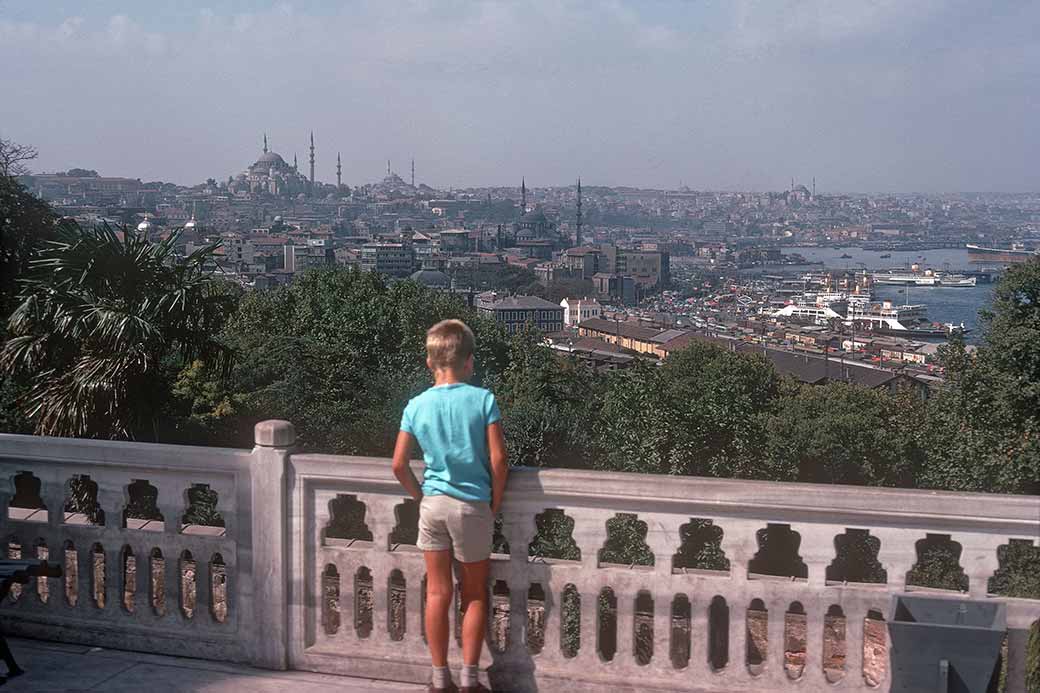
(308, 561)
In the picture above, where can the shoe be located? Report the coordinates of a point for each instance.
(450, 689)
(479, 688)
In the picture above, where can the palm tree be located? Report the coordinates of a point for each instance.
(103, 315)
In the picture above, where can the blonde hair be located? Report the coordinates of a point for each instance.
(448, 344)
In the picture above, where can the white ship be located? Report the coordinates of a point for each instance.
(925, 278)
(822, 308)
(859, 310)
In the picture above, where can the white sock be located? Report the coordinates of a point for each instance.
(441, 677)
(469, 675)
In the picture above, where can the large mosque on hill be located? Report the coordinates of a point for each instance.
(270, 174)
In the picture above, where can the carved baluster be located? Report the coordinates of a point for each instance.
(518, 527)
(226, 502)
(413, 575)
(590, 533)
(699, 666)
(172, 504)
(379, 516)
(979, 559)
(897, 554)
(817, 551)
(112, 499)
(53, 495)
(775, 672)
(739, 545)
(552, 620)
(663, 539)
(661, 664)
(814, 613)
(52, 492)
(516, 640)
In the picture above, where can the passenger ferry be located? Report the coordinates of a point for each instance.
(926, 278)
(910, 320)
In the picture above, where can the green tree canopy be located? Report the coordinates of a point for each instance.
(338, 352)
(26, 223)
(699, 413)
(101, 312)
(983, 430)
(549, 404)
(843, 434)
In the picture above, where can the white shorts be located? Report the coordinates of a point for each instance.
(464, 527)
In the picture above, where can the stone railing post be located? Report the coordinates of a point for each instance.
(270, 542)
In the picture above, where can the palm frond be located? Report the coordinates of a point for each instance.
(100, 311)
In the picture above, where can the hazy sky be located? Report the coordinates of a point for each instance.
(883, 95)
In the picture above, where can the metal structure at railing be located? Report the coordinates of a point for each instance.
(308, 561)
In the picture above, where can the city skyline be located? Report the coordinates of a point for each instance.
(876, 98)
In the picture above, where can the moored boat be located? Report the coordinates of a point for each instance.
(1013, 255)
(925, 279)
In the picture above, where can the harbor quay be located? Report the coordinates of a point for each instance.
(280, 560)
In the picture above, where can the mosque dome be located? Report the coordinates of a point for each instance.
(432, 279)
(269, 159)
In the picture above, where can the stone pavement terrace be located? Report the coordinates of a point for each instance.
(225, 569)
(52, 667)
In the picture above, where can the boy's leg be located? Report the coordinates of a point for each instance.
(474, 588)
(439, 592)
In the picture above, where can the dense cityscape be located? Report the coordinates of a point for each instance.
(520, 347)
(645, 270)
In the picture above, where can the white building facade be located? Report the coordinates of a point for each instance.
(577, 310)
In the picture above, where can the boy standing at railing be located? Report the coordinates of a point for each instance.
(458, 427)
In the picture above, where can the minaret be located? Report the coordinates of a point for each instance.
(814, 186)
(413, 173)
(312, 158)
(265, 143)
(577, 236)
(339, 171)
(388, 168)
(523, 195)
(295, 164)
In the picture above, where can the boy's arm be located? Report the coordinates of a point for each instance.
(402, 466)
(499, 464)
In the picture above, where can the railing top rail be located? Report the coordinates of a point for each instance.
(23, 448)
(779, 501)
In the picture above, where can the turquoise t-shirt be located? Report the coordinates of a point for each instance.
(450, 422)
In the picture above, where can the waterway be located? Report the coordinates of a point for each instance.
(945, 304)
